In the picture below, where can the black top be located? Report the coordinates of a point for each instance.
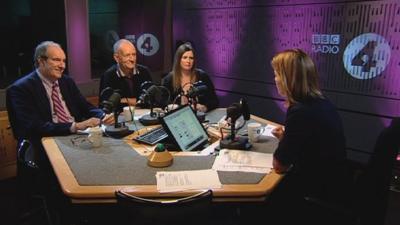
(112, 79)
(314, 144)
(208, 99)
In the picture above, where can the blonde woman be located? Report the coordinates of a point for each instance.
(311, 149)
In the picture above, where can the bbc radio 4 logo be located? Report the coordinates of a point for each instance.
(366, 56)
(325, 43)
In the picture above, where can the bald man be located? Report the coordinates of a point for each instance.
(126, 75)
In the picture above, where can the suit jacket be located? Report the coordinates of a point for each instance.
(31, 112)
(208, 99)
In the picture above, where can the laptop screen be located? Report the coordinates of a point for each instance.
(183, 125)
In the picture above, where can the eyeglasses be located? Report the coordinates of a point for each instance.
(80, 140)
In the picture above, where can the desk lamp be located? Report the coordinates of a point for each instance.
(234, 112)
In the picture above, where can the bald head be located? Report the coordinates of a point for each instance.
(125, 55)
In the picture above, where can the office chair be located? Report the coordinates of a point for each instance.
(370, 187)
(33, 204)
(193, 209)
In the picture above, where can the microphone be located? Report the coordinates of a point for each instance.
(112, 103)
(196, 89)
(144, 87)
(154, 96)
(233, 112)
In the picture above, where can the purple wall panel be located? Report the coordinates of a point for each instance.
(144, 17)
(355, 45)
(78, 40)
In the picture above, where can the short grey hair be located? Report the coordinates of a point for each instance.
(41, 51)
(118, 43)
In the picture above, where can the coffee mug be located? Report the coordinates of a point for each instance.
(95, 136)
(254, 131)
(128, 114)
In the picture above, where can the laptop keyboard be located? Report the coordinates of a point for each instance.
(153, 136)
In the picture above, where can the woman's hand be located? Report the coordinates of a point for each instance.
(201, 108)
(278, 132)
(279, 167)
(184, 100)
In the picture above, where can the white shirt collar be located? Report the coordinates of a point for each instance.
(120, 73)
(45, 80)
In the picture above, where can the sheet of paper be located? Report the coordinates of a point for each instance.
(268, 130)
(187, 180)
(244, 161)
(209, 149)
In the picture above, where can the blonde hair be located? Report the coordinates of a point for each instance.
(299, 77)
(177, 71)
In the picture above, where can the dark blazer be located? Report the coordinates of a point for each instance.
(209, 99)
(111, 79)
(32, 117)
(314, 144)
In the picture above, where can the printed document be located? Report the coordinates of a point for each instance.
(186, 180)
(245, 161)
(268, 130)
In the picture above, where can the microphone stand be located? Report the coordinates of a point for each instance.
(151, 118)
(200, 115)
(233, 142)
(118, 130)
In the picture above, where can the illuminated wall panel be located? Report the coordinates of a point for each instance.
(355, 45)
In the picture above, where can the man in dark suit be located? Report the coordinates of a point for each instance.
(47, 102)
(126, 75)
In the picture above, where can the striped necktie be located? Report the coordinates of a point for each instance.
(58, 108)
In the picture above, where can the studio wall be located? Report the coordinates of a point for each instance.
(355, 45)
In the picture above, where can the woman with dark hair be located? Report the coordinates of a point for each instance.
(182, 77)
(311, 149)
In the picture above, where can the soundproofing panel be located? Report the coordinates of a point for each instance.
(355, 45)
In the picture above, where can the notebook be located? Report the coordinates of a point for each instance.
(184, 129)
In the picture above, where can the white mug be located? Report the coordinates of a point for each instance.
(254, 131)
(95, 136)
(127, 113)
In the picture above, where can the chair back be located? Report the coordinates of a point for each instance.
(370, 187)
(373, 185)
(188, 210)
(11, 114)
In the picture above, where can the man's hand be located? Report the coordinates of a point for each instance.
(92, 122)
(129, 101)
(108, 119)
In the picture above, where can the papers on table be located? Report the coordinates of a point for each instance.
(268, 130)
(227, 160)
(245, 161)
(186, 180)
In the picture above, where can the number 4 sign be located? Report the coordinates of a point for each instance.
(366, 56)
(147, 44)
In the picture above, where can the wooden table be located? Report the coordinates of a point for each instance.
(105, 194)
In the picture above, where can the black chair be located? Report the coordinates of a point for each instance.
(32, 202)
(370, 187)
(194, 209)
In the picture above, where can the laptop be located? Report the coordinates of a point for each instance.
(184, 129)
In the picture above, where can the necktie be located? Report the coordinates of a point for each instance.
(57, 106)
